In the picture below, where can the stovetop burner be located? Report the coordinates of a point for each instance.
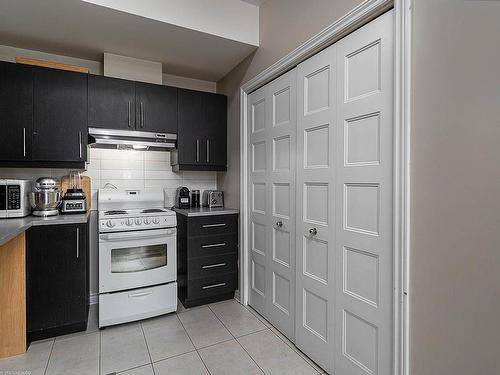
(152, 210)
(115, 212)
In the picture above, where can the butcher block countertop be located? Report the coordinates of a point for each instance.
(11, 228)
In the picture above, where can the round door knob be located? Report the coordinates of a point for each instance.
(129, 222)
(313, 231)
(156, 220)
(279, 224)
(110, 224)
(138, 221)
(147, 220)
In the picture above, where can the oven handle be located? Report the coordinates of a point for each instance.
(117, 236)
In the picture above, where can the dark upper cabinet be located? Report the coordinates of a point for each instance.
(16, 111)
(60, 116)
(201, 137)
(111, 103)
(190, 136)
(57, 280)
(216, 129)
(156, 108)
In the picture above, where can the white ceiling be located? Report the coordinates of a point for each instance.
(254, 2)
(79, 29)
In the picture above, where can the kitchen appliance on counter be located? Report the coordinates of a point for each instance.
(195, 198)
(182, 198)
(213, 198)
(14, 198)
(73, 201)
(137, 256)
(45, 199)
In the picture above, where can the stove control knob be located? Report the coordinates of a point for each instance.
(129, 222)
(156, 220)
(138, 221)
(110, 224)
(147, 220)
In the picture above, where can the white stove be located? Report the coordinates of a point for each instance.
(136, 219)
(137, 256)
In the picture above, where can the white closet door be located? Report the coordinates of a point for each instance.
(364, 200)
(258, 179)
(272, 180)
(315, 220)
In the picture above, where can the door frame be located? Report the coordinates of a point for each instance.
(357, 17)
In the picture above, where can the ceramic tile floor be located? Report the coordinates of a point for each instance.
(216, 339)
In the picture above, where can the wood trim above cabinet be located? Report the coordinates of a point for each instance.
(51, 64)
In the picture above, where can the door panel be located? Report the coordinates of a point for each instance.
(111, 103)
(364, 165)
(156, 108)
(315, 219)
(60, 115)
(191, 117)
(216, 129)
(272, 115)
(16, 107)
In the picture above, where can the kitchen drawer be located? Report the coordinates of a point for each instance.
(212, 266)
(137, 304)
(212, 224)
(212, 245)
(211, 286)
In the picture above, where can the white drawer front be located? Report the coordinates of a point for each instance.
(127, 306)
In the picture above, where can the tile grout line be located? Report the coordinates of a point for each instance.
(192, 343)
(147, 347)
(50, 355)
(236, 339)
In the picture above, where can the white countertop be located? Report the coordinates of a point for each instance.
(10, 228)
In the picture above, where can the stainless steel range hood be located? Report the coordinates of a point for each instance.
(130, 139)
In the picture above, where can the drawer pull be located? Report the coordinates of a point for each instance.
(213, 286)
(140, 294)
(213, 265)
(213, 225)
(214, 245)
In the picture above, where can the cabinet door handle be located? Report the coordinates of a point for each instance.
(24, 142)
(140, 294)
(80, 142)
(213, 245)
(129, 115)
(142, 114)
(213, 286)
(197, 150)
(77, 243)
(213, 225)
(213, 265)
(208, 150)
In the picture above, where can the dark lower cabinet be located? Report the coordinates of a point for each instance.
(207, 258)
(57, 263)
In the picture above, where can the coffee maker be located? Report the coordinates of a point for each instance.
(182, 199)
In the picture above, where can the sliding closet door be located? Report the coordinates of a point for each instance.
(315, 257)
(272, 127)
(364, 200)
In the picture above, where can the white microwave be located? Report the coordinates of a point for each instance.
(14, 198)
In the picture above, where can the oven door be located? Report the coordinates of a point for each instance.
(130, 260)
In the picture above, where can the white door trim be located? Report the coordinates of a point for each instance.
(359, 16)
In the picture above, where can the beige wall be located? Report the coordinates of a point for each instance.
(455, 187)
(284, 25)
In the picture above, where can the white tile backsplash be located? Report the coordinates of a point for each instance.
(142, 170)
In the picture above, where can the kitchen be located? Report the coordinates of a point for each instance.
(248, 187)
